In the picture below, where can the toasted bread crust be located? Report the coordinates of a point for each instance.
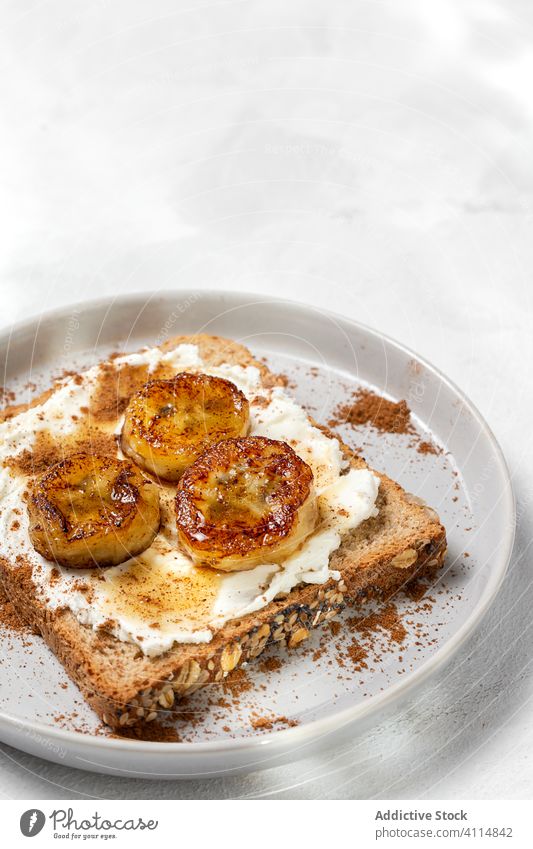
(124, 687)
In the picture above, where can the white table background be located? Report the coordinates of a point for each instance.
(371, 157)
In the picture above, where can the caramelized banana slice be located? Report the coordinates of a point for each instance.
(92, 511)
(169, 423)
(245, 502)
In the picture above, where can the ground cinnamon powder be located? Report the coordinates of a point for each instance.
(365, 407)
(335, 627)
(386, 619)
(425, 447)
(266, 723)
(358, 655)
(237, 683)
(46, 451)
(270, 664)
(9, 617)
(115, 387)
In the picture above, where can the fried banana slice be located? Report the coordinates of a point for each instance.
(169, 423)
(245, 502)
(92, 511)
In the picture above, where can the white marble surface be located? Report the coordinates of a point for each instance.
(373, 157)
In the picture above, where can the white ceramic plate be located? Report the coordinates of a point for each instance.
(325, 357)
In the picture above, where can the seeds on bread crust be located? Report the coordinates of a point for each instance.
(244, 502)
(92, 511)
(169, 423)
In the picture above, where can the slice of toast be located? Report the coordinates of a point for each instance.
(125, 687)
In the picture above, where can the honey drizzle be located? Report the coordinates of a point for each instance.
(156, 594)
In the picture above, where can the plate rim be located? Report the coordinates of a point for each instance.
(317, 728)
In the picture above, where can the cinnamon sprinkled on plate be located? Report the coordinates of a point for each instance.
(366, 407)
(426, 447)
(386, 619)
(270, 664)
(266, 723)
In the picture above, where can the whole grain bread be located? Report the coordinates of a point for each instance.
(125, 687)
